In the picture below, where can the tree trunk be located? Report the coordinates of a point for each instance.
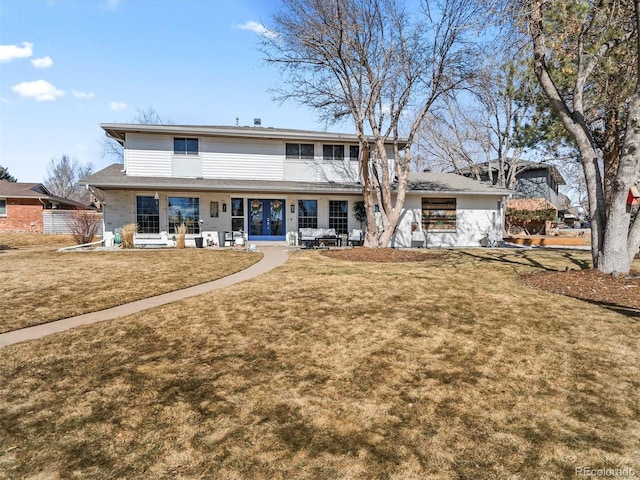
(620, 246)
(573, 122)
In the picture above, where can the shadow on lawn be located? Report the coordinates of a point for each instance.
(625, 310)
(525, 258)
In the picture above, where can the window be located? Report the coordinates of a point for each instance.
(3, 208)
(438, 213)
(307, 214)
(300, 151)
(148, 214)
(184, 210)
(339, 215)
(237, 214)
(354, 153)
(185, 146)
(333, 152)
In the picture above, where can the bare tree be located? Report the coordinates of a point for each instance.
(486, 123)
(63, 176)
(576, 185)
(113, 150)
(84, 225)
(451, 139)
(378, 64)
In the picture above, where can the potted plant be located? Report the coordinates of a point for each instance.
(198, 239)
(359, 212)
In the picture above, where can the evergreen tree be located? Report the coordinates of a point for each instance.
(5, 175)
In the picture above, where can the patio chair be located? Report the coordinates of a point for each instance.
(355, 238)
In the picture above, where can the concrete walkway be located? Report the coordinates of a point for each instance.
(273, 257)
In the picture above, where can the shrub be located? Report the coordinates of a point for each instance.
(83, 225)
(528, 218)
(128, 232)
(359, 212)
(181, 231)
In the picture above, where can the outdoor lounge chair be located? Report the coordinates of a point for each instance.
(355, 238)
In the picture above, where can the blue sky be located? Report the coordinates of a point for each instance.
(68, 65)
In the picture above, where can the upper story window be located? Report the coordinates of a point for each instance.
(300, 151)
(3, 208)
(333, 152)
(185, 146)
(354, 153)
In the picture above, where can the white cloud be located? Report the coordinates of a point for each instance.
(11, 52)
(44, 62)
(111, 5)
(117, 106)
(258, 28)
(83, 95)
(39, 90)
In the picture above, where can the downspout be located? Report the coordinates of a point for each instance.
(44, 207)
(104, 204)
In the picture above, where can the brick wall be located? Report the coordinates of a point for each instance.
(23, 215)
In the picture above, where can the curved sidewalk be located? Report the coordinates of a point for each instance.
(272, 257)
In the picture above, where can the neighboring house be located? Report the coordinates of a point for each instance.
(269, 183)
(532, 180)
(30, 207)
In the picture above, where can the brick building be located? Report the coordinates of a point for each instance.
(22, 206)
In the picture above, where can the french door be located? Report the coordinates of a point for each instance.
(266, 219)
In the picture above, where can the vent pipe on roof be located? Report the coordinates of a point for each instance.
(237, 121)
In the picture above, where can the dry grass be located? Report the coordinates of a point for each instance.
(325, 369)
(181, 232)
(40, 284)
(11, 241)
(128, 234)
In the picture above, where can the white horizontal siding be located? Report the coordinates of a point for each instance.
(242, 159)
(301, 171)
(318, 170)
(148, 155)
(233, 158)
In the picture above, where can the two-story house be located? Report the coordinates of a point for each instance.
(529, 179)
(271, 182)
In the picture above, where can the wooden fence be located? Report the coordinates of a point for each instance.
(57, 221)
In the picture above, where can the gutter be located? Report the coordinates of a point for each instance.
(228, 188)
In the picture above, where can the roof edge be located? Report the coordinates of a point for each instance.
(117, 131)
